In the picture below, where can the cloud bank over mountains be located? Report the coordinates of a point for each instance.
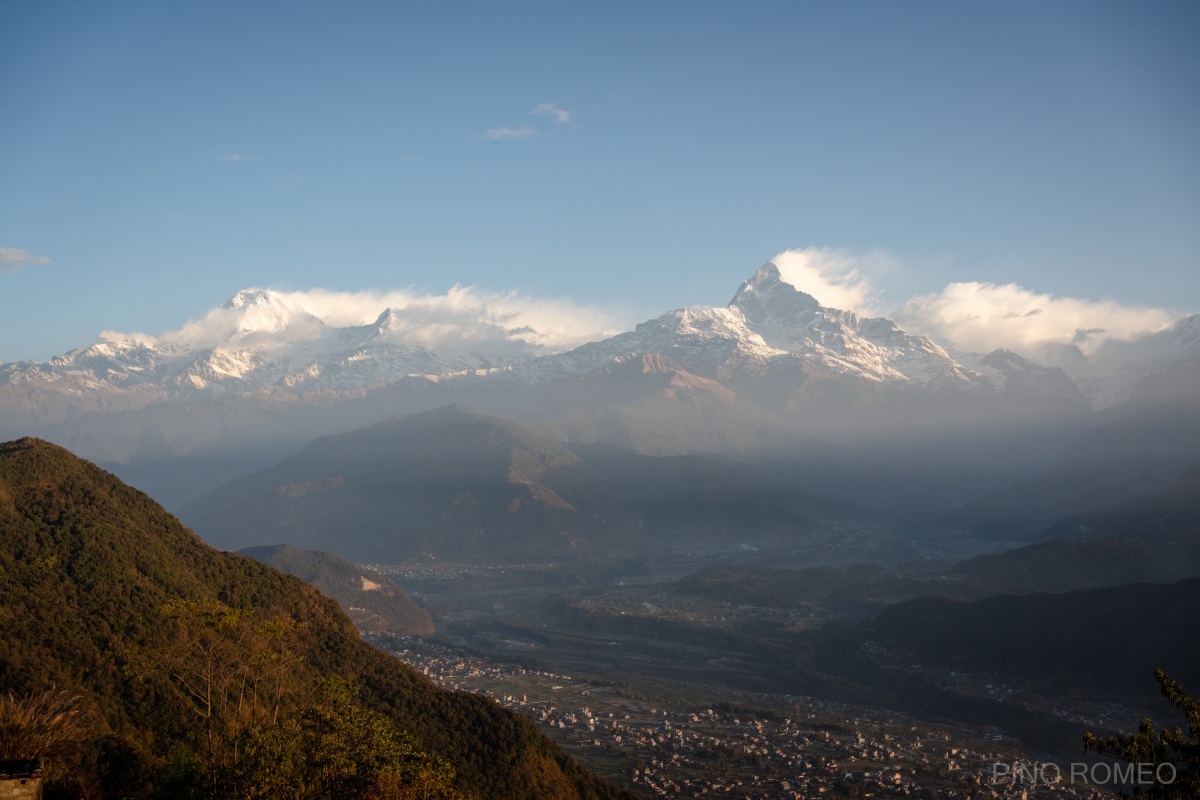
(463, 320)
(836, 278)
(967, 317)
(981, 317)
(972, 316)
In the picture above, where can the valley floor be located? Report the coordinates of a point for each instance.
(672, 739)
(678, 689)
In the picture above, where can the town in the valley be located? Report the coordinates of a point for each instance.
(673, 740)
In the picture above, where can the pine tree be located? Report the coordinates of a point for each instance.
(1160, 748)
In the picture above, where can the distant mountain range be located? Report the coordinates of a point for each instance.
(768, 329)
(770, 339)
(773, 378)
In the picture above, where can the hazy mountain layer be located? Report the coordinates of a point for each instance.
(464, 486)
(1160, 368)
(1136, 454)
(1170, 515)
(651, 404)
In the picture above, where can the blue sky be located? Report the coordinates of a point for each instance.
(161, 156)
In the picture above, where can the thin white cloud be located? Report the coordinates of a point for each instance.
(464, 320)
(524, 132)
(836, 278)
(981, 317)
(235, 157)
(13, 259)
(561, 115)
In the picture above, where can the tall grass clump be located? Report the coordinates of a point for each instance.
(40, 724)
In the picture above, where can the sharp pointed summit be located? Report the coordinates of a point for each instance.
(766, 298)
(388, 321)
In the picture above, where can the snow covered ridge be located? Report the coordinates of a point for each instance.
(770, 325)
(260, 341)
(266, 346)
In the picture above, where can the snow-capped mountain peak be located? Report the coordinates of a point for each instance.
(771, 325)
(768, 299)
(259, 311)
(389, 320)
(254, 297)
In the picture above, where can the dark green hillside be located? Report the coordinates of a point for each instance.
(95, 579)
(370, 598)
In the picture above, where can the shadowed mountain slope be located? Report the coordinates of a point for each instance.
(370, 598)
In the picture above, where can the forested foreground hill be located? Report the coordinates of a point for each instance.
(104, 594)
